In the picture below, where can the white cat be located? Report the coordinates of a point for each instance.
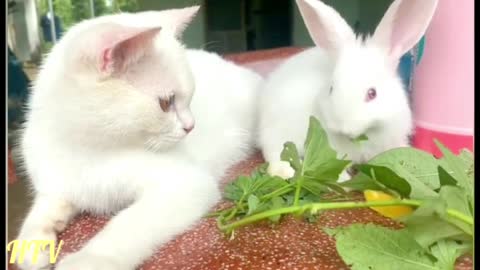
(107, 131)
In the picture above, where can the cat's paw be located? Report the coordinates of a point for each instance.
(281, 169)
(83, 260)
(35, 258)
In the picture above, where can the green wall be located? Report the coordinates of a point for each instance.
(347, 8)
(194, 36)
(368, 12)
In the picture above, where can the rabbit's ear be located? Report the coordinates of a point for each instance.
(403, 25)
(326, 27)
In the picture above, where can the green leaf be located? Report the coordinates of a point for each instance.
(460, 167)
(259, 185)
(417, 167)
(267, 184)
(290, 154)
(362, 181)
(427, 225)
(235, 190)
(447, 252)
(457, 166)
(328, 171)
(467, 157)
(446, 178)
(386, 177)
(314, 187)
(320, 160)
(317, 148)
(253, 202)
(276, 202)
(366, 247)
(335, 188)
(455, 199)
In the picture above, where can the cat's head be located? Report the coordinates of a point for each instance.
(122, 79)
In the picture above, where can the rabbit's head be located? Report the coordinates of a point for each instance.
(365, 90)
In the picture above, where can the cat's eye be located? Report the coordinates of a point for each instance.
(371, 94)
(166, 104)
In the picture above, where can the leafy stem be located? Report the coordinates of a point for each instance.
(283, 190)
(315, 207)
(298, 188)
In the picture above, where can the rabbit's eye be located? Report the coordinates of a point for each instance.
(166, 104)
(371, 94)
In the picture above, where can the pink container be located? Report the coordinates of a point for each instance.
(443, 82)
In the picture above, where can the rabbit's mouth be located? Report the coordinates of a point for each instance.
(359, 139)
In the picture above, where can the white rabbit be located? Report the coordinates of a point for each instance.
(110, 129)
(349, 84)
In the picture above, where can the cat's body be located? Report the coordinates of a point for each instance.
(100, 142)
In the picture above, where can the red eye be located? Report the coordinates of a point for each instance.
(371, 94)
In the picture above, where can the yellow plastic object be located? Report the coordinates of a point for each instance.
(388, 211)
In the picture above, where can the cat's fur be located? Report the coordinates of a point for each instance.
(97, 140)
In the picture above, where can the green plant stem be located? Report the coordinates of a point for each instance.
(315, 207)
(278, 192)
(298, 188)
(232, 214)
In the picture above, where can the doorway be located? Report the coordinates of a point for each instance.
(248, 25)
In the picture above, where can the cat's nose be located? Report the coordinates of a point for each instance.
(188, 129)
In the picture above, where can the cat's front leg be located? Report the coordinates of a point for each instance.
(48, 216)
(166, 209)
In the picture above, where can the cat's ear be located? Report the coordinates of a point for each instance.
(178, 19)
(120, 46)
